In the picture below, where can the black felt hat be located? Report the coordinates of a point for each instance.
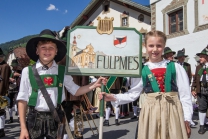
(181, 53)
(1, 52)
(46, 35)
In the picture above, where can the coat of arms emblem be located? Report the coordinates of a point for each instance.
(120, 41)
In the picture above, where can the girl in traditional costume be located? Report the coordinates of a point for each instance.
(167, 109)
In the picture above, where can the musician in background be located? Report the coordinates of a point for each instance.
(5, 72)
(13, 87)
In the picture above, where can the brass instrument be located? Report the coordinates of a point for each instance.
(4, 101)
(78, 124)
(78, 118)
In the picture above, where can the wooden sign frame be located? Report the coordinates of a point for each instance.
(117, 54)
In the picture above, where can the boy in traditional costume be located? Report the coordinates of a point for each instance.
(41, 122)
(200, 87)
(167, 109)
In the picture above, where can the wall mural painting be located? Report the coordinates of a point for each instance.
(202, 12)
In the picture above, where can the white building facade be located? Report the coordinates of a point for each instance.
(185, 22)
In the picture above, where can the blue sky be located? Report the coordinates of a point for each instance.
(19, 18)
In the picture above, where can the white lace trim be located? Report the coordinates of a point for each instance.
(161, 64)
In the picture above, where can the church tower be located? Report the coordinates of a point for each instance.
(74, 47)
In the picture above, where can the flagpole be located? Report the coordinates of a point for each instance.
(101, 114)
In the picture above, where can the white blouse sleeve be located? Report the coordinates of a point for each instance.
(184, 92)
(131, 95)
(24, 90)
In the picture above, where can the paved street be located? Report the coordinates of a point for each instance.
(125, 131)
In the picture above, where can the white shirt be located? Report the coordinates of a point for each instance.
(182, 84)
(26, 89)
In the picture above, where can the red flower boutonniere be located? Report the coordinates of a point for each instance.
(205, 72)
(48, 81)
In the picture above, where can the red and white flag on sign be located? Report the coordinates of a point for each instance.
(120, 41)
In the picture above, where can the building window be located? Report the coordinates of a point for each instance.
(143, 37)
(124, 21)
(106, 6)
(176, 21)
(141, 18)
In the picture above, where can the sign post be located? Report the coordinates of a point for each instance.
(101, 114)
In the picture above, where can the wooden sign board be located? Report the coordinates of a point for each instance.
(116, 54)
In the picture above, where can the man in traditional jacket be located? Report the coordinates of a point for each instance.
(14, 87)
(168, 54)
(181, 58)
(200, 87)
(5, 72)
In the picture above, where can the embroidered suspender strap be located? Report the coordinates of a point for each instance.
(61, 71)
(151, 77)
(48, 100)
(185, 67)
(109, 84)
(34, 94)
(11, 75)
(124, 81)
(170, 74)
(200, 72)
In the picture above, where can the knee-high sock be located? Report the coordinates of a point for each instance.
(15, 108)
(206, 120)
(66, 136)
(10, 112)
(135, 110)
(71, 124)
(202, 118)
(117, 112)
(107, 113)
(2, 121)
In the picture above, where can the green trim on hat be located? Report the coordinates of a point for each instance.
(203, 52)
(48, 36)
(170, 51)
